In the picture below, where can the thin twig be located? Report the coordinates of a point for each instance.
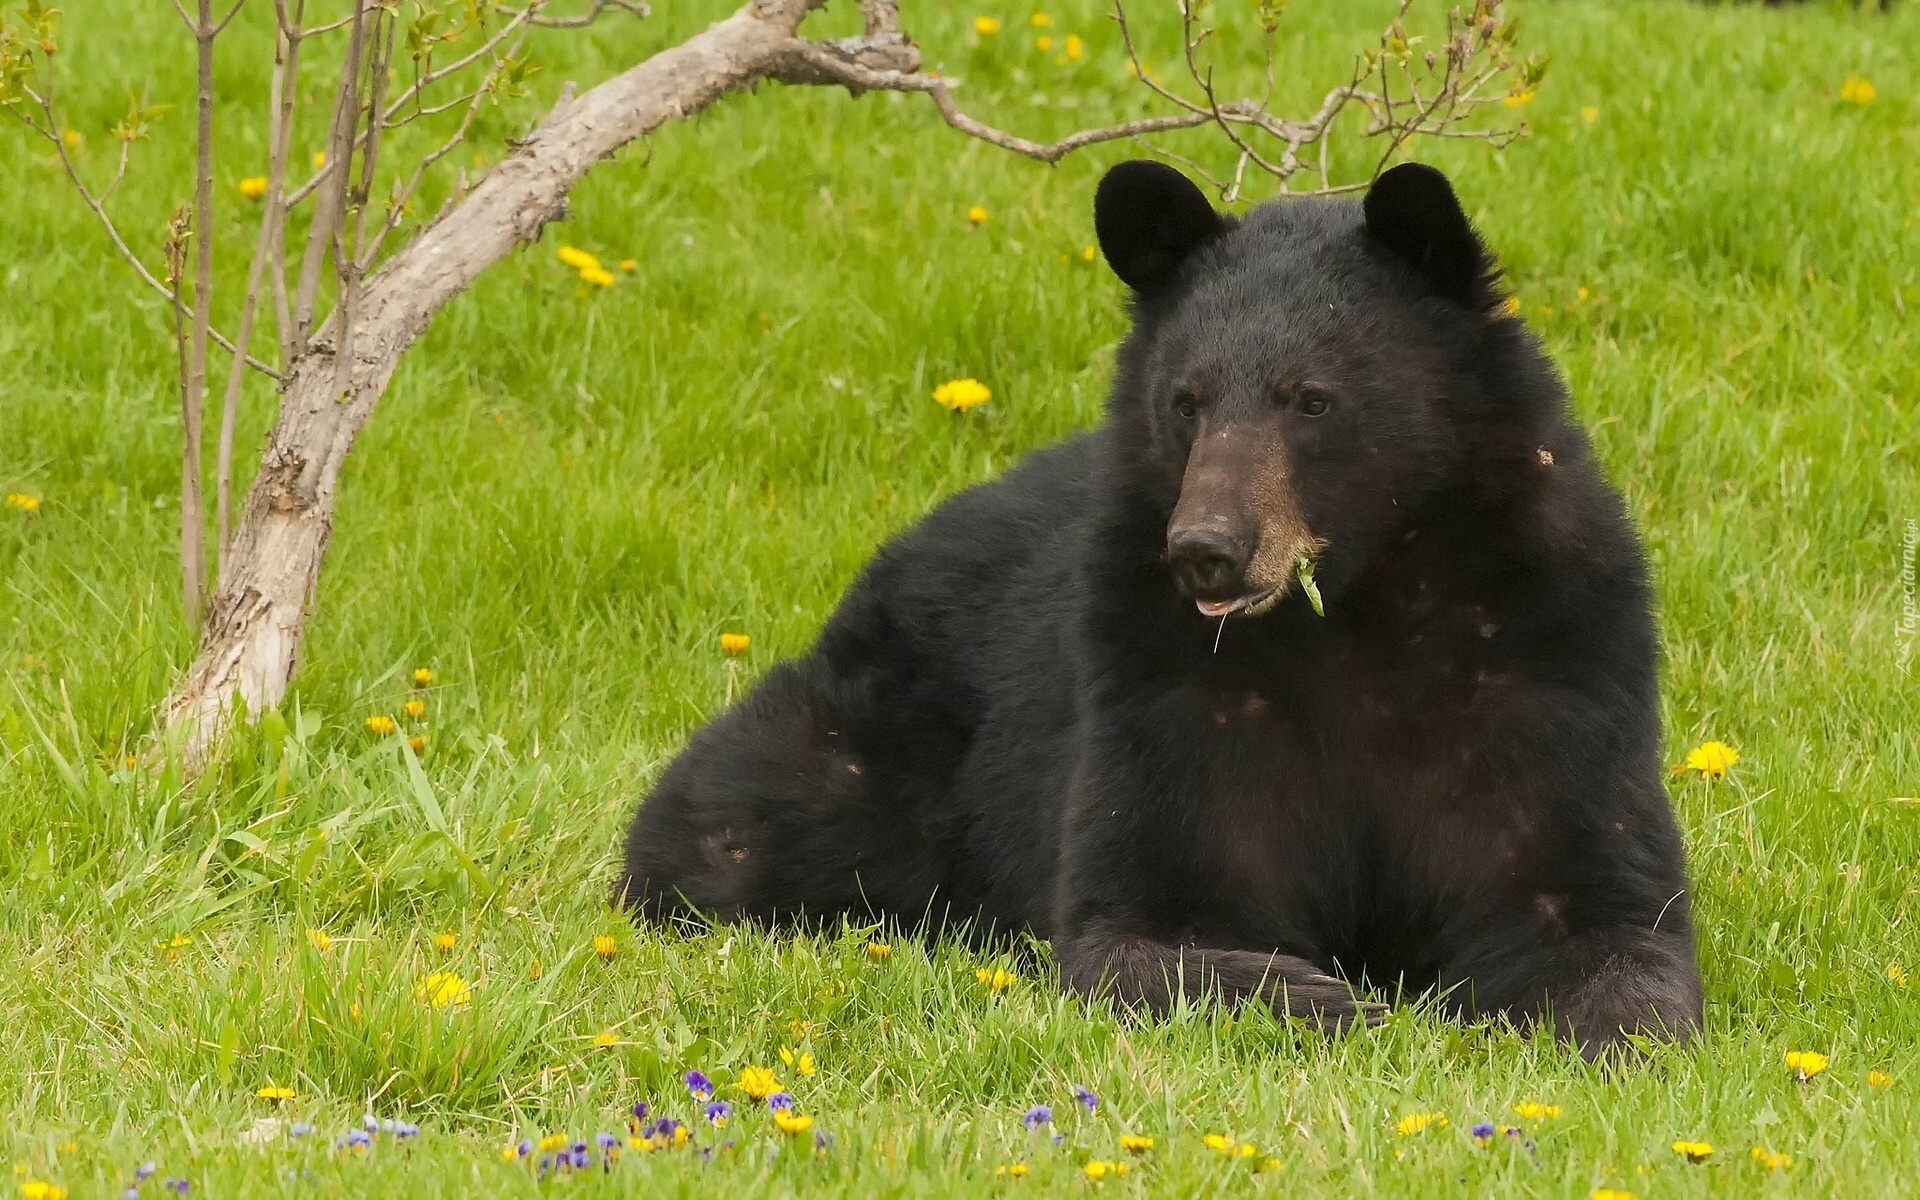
(582, 20)
(331, 208)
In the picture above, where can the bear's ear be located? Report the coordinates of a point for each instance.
(1149, 218)
(1412, 211)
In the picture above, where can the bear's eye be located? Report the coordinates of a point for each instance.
(1186, 403)
(1313, 402)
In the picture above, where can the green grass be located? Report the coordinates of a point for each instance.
(565, 498)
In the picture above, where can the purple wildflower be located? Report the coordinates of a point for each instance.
(822, 1139)
(718, 1111)
(663, 1130)
(299, 1129)
(580, 1159)
(372, 1125)
(524, 1148)
(1483, 1132)
(1087, 1099)
(699, 1085)
(178, 1187)
(605, 1141)
(144, 1171)
(780, 1102)
(1038, 1115)
(132, 1193)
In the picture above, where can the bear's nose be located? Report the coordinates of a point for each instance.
(1207, 559)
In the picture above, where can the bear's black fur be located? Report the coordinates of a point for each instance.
(1092, 701)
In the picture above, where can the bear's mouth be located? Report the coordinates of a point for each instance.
(1250, 605)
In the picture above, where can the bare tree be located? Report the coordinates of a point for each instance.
(358, 295)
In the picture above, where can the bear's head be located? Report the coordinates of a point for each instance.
(1291, 389)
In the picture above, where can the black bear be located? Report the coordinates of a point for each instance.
(1326, 662)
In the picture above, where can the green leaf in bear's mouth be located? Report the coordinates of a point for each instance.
(1309, 587)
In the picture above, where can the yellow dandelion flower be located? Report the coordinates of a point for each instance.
(422, 676)
(1531, 1110)
(1589, 113)
(605, 946)
(1879, 1079)
(1418, 1122)
(801, 1030)
(381, 724)
(1857, 91)
(576, 258)
(976, 214)
(1611, 1194)
(1770, 1160)
(1040, 20)
(959, 395)
(1510, 307)
(640, 1144)
(1134, 1143)
(1517, 98)
(1806, 1063)
(319, 158)
(1043, 43)
(1218, 1141)
(879, 951)
(554, 1141)
(757, 1082)
(23, 502)
(789, 1122)
(802, 1063)
(1580, 293)
(319, 939)
(415, 709)
(598, 276)
(1694, 1151)
(253, 186)
(40, 1189)
(74, 139)
(735, 644)
(629, 265)
(274, 1092)
(1016, 1169)
(1075, 47)
(443, 989)
(419, 743)
(606, 1038)
(445, 940)
(68, 1147)
(986, 26)
(1896, 975)
(535, 970)
(995, 979)
(1711, 759)
(1099, 1168)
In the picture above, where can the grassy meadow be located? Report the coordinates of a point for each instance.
(570, 493)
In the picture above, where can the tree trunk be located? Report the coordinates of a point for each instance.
(251, 639)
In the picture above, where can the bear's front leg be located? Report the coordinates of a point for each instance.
(1597, 987)
(1146, 974)
(1626, 983)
